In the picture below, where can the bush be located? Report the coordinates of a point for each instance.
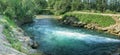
(109, 11)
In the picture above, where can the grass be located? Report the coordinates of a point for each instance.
(96, 11)
(101, 20)
(6, 21)
(10, 22)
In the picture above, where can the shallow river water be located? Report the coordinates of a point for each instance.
(56, 39)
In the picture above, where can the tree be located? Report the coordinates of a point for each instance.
(87, 4)
(21, 11)
(3, 6)
(71, 5)
(101, 5)
(42, 4)
(51, 3)
(76, 5)
(62, 6)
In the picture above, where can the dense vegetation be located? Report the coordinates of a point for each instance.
(101, 20)
(21, 11)
(61, 6)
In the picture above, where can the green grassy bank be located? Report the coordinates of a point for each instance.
(101, 20)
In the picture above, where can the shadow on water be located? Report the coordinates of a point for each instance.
(56, 39)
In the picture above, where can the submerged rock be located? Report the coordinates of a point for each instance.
(116, 52)
(34, 45)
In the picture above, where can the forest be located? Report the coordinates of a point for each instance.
(80, 5)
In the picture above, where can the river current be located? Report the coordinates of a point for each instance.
(57, 39)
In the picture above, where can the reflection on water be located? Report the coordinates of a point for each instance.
(55, 39)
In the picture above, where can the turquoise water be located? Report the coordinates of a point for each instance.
(56, 39)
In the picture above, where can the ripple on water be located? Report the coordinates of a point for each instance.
(62, 40)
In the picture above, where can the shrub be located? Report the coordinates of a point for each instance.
(109, 11)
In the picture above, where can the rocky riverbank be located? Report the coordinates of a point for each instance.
(73, 21)
(5, 46)
(14, 41)
(28, 46)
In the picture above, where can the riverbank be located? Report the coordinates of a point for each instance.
(103, 22)
(15, 40)
(5, 46)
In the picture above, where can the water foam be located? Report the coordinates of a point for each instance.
(85, 37)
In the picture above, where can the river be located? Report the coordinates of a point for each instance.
(57, 39)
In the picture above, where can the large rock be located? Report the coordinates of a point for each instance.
(92, 26)
(114, 29)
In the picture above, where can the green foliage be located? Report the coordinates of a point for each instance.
(2, 6)
(51, 3)
(101, 20)
(109, 11)
(19, 11)
(45, 12)
(76, 5)
(101, 5)
(60, 6)
(41, 4)
(8, 22)
(18, 7)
